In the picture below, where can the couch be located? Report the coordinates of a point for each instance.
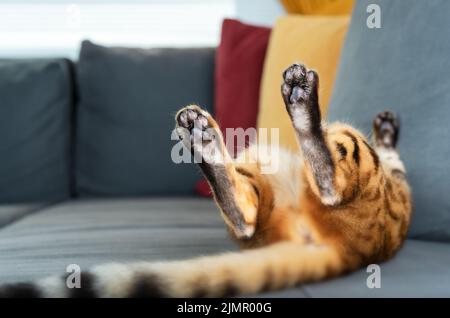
(86, 175)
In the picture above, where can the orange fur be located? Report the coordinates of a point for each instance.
(339, 205)
(311, 240)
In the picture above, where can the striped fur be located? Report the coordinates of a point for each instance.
(337, 205)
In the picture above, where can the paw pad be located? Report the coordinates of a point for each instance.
(386, 129)
(298, 83)
(195, 120)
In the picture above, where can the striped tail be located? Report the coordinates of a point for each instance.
(273, 267)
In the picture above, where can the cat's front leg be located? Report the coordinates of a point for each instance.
(234, 194)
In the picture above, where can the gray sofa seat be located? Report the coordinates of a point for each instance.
(91, 232)
(12, 212)
(420, 269)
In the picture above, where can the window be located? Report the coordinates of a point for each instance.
(56, 27)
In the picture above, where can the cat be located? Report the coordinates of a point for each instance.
(333, 207)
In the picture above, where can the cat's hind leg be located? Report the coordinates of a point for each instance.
(398, 195)
(234, 192)
(386, 128)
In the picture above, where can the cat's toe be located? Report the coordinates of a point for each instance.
(192, 116)
(294, 74)
(195, 125)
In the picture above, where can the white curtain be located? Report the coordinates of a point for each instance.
(55, 27)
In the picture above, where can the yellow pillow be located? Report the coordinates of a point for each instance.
(315, 41)
(322, 7)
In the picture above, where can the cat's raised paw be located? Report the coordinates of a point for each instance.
(200, 133)
(299, 84)
(196, 122)
(299, 91)
(386, 128)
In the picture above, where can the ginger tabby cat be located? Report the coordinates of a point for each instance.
(336, 206)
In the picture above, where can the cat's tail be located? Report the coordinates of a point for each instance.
(273, 267)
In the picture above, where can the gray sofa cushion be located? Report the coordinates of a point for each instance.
(96, 231)
(35, 107)
(92, 232)
(128, 99)
(404, 66)
(419, 270)
(11, 212)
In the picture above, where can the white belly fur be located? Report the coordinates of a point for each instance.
(284, 173)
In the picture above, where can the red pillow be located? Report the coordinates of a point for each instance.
(239, 65)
